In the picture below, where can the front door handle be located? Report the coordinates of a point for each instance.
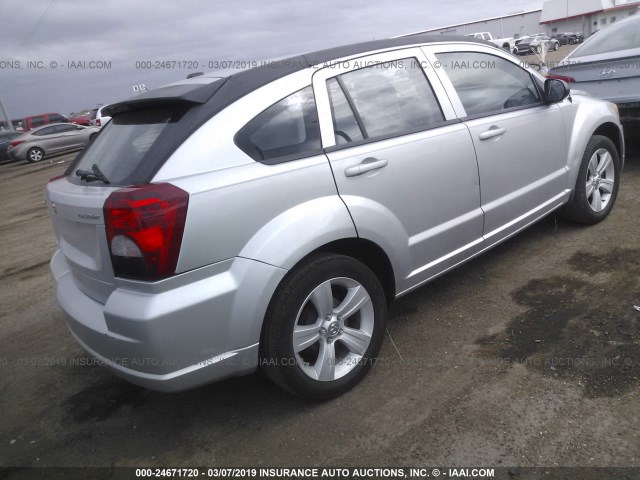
(492, 132)
(367, 165)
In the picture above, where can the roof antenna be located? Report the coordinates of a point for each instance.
(195, 74)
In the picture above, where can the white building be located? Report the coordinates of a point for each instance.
(512, 25)
(556, 16)
(586, 16)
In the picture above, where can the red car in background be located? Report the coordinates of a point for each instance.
(33, 121)
(81, 120)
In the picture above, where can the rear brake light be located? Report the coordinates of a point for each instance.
(144, 228)
(562, 77)
(57, 177)
(16, 143)
(97, 122)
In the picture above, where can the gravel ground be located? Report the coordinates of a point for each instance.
(526, 356)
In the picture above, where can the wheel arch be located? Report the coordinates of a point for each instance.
(31, 147)
(369, 253)
(366, 251)
(613, 133)
(608, 130)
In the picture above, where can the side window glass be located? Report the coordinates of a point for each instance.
(37, 122)
(386, 99)
(487, 84)
(287, 130)
(45, 131)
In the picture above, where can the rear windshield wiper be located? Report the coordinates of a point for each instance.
(93, 175)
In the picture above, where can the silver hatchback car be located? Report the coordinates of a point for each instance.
(217, 225)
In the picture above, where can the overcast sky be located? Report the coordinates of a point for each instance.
(52, 33)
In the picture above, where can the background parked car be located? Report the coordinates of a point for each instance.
(50, 140)
(97, 118)
(607, 66)
(579, 36)
(34, 121)
(565, 38)
(535, 44)
(5, 140)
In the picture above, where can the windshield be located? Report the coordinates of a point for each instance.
(619, 36)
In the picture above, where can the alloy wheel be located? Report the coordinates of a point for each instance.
(333, 329)
(600, 180)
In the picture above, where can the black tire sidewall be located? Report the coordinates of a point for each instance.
(277, 355)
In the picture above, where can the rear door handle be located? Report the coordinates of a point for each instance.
(367, 165)
(492, 132)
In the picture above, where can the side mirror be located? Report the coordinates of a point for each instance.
(555, 90)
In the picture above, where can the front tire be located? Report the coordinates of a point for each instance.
(597, 184)
(35, 154)
(324, 327)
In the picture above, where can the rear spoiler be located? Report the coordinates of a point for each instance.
(181, 94)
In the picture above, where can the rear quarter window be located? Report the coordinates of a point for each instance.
(287, 130)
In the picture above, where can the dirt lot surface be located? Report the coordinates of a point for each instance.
(527, 356)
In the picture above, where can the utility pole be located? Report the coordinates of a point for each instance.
(7, 120)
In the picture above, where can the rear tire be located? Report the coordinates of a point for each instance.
(597, 183)
(35, 154)
(324, 327)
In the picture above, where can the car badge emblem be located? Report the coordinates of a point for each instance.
(607, 72)
(89, 216)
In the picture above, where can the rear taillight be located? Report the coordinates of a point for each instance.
(16, 143)
(57, 177)
(562, 77)
(97, 122)
(144, 230)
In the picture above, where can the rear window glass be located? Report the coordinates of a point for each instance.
(621, 36)
(123, 143)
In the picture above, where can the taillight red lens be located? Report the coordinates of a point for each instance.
(57, 177)
(16, 143)
(144, 227)
(97, 122)
(562, 77)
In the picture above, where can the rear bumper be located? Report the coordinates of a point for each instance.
(195, 328)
